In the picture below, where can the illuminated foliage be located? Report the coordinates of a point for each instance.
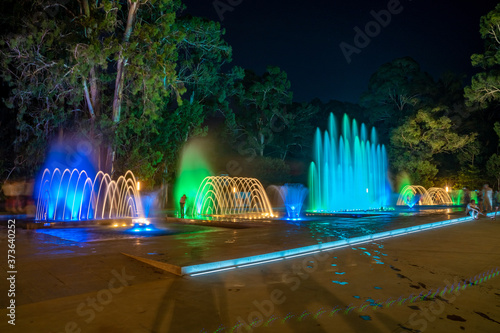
(485, 87)
(133, 77)
(419, 139)
(261, 105)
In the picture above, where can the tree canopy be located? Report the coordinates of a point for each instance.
(485, 87)
(394, 91)
(139, 79)
(135, 78)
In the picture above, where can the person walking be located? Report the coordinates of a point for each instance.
(183, 202)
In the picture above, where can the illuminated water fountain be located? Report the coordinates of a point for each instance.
(149, 203)
(193, 168)
(223, 195)
(292, 197)
(70, 195)
(410, 195)
(457, 196)
(413, 194)
(439, 196)
(349, 169)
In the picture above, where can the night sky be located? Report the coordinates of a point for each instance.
(303, 38)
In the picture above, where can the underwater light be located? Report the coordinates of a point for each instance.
(140, 221)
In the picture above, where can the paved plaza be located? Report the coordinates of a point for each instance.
(83, 279)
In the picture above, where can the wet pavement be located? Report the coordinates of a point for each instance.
(347, 290)
(189, 242)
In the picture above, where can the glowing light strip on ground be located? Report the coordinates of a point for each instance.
(260, 262)
(300, 255)
(220, 266)
(214, 271)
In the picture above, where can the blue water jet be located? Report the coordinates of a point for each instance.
(349, 169)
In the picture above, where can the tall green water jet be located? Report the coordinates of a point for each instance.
(349, 169)
(193, 168)
(457, 196)
(402, 181)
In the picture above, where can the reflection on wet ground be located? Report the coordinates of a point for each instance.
(106, 233)
(326, 229)
(188, 244)
(319, 228)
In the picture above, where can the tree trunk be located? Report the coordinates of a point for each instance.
(90, 105)
(94, 92)
(86, 7)
(261, 146)
(92, 97)
(120, 74)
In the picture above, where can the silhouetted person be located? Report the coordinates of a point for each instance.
(487, 198)
(183, 202)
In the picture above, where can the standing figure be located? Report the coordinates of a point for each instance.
(183, 202)
(487, 198)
